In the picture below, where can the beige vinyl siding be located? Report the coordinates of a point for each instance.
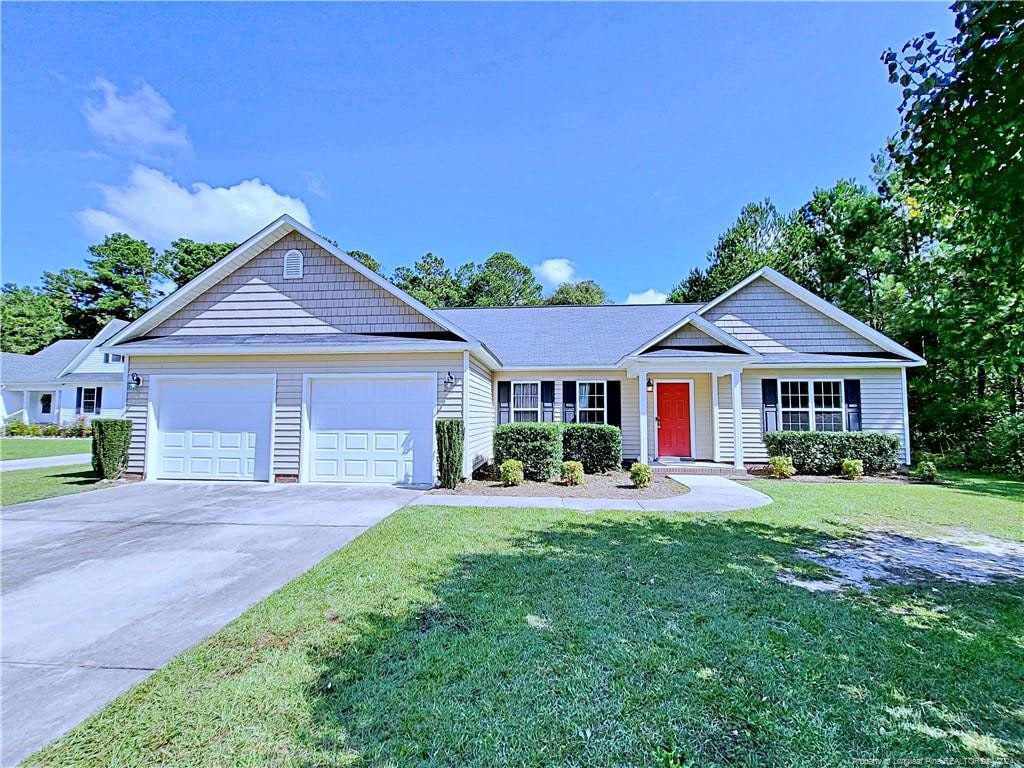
(881, 403)
(330, 297)
(688, 336)
(703, 439)
(630, 397)
(288, 401)
(771, 320)
(481, 417)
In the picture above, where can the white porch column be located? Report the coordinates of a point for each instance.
(26, 403)
(642, 378)
(737, 418)
(716, 438)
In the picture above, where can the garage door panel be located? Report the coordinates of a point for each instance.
(214, 430)
(380, 431)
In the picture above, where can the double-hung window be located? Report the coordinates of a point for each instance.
(525, 401)
(88, 400)
(807, 406)
(591, 402)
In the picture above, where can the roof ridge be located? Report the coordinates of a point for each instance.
(576, 306)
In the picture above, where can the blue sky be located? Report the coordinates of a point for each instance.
(612, 142)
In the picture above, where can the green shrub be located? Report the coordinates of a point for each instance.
(641, 474)
(538, 446)
(822, 453)
(450, 435)
(18, 429)
(572, 473)
(78, 428)
(926, 472)
(852, 469)
(781, 467)
(597, 446)
(511, 472)
(51, 430)
(1001, 449)
(110, 446)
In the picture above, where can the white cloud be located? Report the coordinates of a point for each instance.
(315, 183)
(141, 123)
(650, 296)
(554, 272)
(154, 207)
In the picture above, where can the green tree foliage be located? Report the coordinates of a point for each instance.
(430, 281)
(582, 293)
(29, 320)
(503, 281)
(186, 258)
(760, 237)
(71, 291)
(366, 260)
(124, 271)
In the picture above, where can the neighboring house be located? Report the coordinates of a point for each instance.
(70, 378)
(290, 361)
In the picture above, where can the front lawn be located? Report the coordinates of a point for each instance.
(484, 637)
(22, 485)
(34, 447)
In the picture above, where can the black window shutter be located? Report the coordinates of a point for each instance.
(614, 403)
(99, 399)
(769, 405)
(504, 402)
(851, 396)
(78, 400)
(569, 401)
(547, 401)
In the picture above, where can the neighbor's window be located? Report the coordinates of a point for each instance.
(45, 403)
(808, 406)
(110, 357)
(591, 402)
(89, 400)
(525, 401)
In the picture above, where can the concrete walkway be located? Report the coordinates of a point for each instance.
(46, 461)
(708, 493)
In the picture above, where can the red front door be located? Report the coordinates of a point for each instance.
(674, 420)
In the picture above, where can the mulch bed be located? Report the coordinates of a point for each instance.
(762, 474)
(611, 485)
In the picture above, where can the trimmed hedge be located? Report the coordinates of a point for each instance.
(450, 434)
(111, 438)
(641, 474)
(822, 453)
(511, 472)
(572, 473)
(597, 446)
(537, 445)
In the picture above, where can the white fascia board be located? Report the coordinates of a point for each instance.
(767, 363)
(830, 310)
(700, 324)
(289, 349)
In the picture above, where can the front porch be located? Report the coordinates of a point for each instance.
(32, 406)
(691, 421)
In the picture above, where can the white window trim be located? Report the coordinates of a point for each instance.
(95, 394)
(43, 409)
(112, 357)
(604, 409)
(512, 403)
(810, 409)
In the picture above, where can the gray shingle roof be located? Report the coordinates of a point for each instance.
(326, 340)
(44, 365)
(566, 336)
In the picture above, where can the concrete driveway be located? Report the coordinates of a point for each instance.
(99, 589)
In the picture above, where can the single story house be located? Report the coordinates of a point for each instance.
(68, 380)
(288, 360)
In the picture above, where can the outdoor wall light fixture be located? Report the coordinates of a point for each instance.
(650, 384)
(449, 381)
(134, 381)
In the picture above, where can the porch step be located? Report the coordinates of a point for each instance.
(698, 468)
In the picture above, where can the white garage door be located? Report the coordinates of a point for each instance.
(371, 430)
(209, 429)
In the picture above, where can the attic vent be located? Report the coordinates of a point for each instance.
(293, 265)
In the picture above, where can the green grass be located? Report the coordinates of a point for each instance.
(34, 447)
(23, 485)
(483, 637)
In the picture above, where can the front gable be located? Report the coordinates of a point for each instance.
(329, 297)
(773, 320)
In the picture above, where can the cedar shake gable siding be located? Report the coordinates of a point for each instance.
(330, 297)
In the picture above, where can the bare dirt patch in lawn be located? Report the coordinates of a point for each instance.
(612, 485)
(884, 556)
